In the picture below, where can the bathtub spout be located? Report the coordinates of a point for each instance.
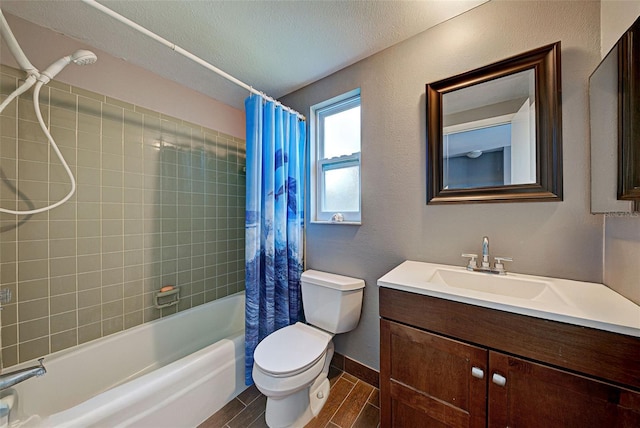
(10, 379)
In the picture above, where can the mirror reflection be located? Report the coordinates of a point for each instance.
(488, 134)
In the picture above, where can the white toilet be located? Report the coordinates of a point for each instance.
(291, 365)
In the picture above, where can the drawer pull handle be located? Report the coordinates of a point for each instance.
(499, 379)
(477, 372)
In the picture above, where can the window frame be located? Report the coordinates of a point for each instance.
(320, 164)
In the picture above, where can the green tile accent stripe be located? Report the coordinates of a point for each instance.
(160, 201)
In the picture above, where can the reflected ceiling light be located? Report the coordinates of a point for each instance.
(474, 154)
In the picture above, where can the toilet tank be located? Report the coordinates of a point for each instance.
(331, 302)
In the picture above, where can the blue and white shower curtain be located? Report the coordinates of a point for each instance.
(274, 221)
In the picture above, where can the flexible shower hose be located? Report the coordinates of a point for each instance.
(54, 146)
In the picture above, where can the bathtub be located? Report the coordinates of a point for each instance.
(172, 372)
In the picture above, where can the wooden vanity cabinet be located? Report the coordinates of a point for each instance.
(434, 374)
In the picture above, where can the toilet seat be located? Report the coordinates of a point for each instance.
(291, 350)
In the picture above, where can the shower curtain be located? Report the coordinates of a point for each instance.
(274, 221)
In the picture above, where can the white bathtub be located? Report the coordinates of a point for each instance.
(173, 372)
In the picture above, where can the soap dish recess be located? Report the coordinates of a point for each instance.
(165, 299)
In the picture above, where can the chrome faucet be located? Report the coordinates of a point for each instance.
(498, 267)
(10, 379)
(485, 252)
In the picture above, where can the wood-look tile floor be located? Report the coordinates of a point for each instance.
(352, 403)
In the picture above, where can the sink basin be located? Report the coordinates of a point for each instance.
(489, 283)
(582, 303)
(485, 285)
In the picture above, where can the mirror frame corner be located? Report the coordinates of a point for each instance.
(545, 61)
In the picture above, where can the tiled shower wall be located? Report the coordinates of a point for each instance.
(159, 201)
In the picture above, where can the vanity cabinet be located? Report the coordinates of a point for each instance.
(450, 364)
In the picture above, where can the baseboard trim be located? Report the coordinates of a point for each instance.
(357, 369)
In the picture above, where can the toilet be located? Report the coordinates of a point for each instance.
(291, 365)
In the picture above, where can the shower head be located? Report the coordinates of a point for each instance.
(83, 57)
(80, 57)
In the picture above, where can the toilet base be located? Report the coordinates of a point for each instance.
(296, 410)
(318, 396)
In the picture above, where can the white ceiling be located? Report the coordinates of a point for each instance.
(273, 46)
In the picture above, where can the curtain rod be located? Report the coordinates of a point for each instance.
(185, 53)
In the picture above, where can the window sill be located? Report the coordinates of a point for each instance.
(346, 223)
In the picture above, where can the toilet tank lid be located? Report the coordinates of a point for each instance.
(332, 280)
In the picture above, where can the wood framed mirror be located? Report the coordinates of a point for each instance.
(614, 121)
(628, 48)
(494, 134)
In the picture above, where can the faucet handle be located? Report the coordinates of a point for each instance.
(499, 265)
(472, 261)
(41, 370)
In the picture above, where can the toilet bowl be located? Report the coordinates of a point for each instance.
(289, 370)
(291, 365)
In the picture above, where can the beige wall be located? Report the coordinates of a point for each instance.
(556, 239)
(622, 233)
(622, 255)
(616, 17)
(160, 200)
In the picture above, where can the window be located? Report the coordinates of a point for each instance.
(335, 160)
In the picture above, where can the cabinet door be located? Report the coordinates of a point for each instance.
(526, 394)
(430, 381)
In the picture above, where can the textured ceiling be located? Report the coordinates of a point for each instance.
(274, 46)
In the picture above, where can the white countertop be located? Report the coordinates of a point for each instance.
(575, 302)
